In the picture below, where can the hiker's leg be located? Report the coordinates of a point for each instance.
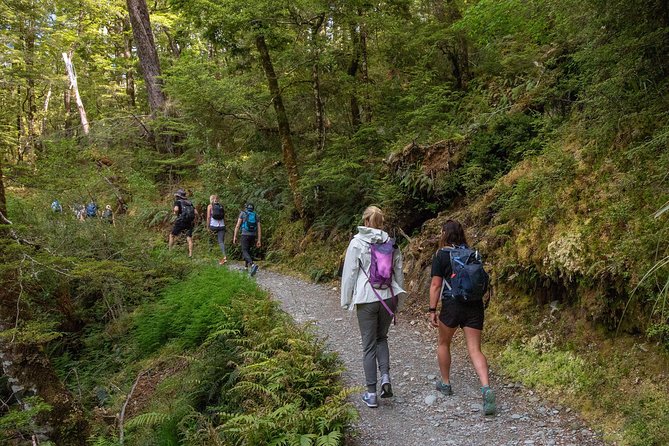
(246, 242)
(189, 239)
(382, 351)
(170, 241)
(479, 361)
(444, 351)
(221, 237)
(368, 323)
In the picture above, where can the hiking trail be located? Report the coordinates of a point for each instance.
(418, 414)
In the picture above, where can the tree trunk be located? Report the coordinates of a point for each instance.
(47, 100)
(127, 53)
(316, 84)
(146, 51)
(73, 85)
(289, 158)
(352, 72)
(367, 104)
(26, 366)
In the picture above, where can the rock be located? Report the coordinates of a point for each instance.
(431, 377)
(430, 399)
(339, 319)
(516, 416)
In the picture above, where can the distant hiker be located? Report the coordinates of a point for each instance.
(249, 222)
(455, 312)
(216, 222)
(372, 282)
(185, 222)
(79, 211)
(108, 215)
(56, 207)
(91, 209)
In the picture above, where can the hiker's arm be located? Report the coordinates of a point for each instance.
(435, 290)
(239, 223)
(398, 273)
(258, 242)
(349, 274)
(175, 210)
(208, 222)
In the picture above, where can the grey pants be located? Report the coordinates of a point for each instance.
(221, 238)
(374, 322)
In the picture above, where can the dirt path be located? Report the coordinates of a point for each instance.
(418, 415)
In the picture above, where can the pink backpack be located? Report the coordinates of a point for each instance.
(380, 274)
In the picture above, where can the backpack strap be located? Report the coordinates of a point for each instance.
(378, 296)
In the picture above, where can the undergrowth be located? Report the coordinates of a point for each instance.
(249, 376)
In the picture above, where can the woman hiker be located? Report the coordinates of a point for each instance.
(375, 307)
(453, 314)
(216, 222)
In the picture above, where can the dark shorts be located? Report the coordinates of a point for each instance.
(454, 314)
(181, 227)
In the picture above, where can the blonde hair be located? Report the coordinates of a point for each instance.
(373, 217)
(213, 199)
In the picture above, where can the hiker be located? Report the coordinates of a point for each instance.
(108, 215)
(454, 314)
(91, 209)
(56, 207)
(375, 305)
(185, 222)
(249, 222)
(216, 221)
(79, 211)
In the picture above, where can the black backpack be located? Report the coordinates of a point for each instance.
(187, 211)
(469, 281)
(217, 212)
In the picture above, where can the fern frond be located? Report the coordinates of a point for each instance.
(147, 420)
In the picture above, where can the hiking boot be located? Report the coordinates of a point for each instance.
(254, 270)
(488, 400)
(386, 388)
(444, 388)
(370, 399)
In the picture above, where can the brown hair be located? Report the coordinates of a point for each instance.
(452, 233)
(373, 217)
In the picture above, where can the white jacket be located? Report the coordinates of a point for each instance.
(355, 288)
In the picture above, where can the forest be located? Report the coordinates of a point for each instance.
(542, 125)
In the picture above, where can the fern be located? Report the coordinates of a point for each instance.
(149, 419)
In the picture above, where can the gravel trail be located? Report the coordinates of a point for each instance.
(419, 415)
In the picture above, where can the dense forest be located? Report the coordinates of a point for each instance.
(542, 125)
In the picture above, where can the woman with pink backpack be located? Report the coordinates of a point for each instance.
(372, 284)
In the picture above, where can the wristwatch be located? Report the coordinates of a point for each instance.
(432, 310)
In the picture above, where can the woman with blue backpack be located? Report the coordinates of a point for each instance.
(216, 222)
(372, 283)
(460, 283)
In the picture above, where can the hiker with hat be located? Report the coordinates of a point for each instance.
(251, 233)
(185, 222)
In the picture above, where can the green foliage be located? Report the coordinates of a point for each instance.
(17, 423)
(257, 380)
(188, 310)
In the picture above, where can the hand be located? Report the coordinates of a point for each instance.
(234, 240)
(434, 319)
(258, 244)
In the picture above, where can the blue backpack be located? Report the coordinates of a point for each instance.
(91, 210)
(251, 222)
(469, 281)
